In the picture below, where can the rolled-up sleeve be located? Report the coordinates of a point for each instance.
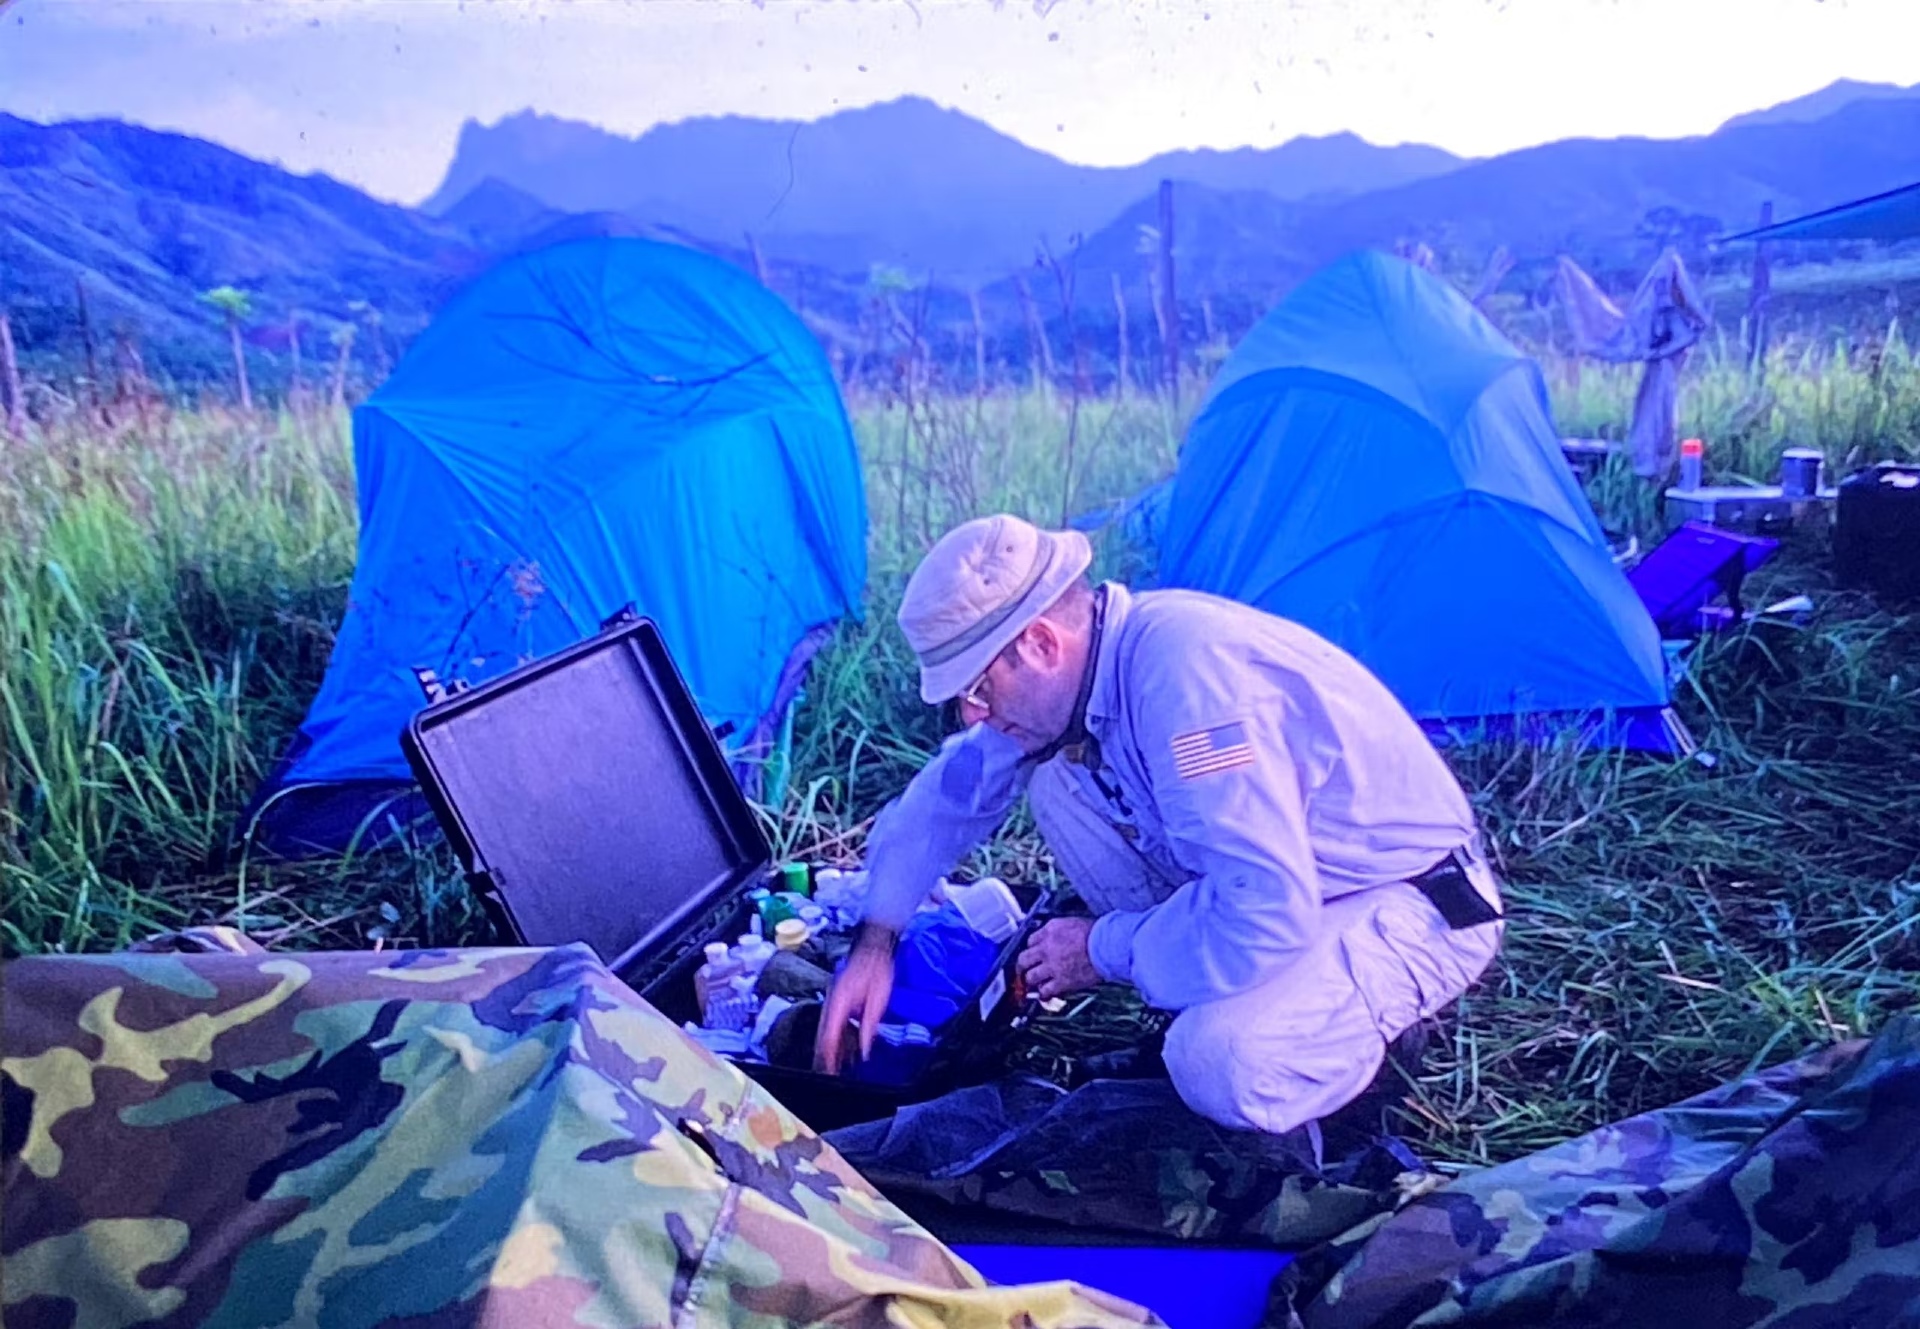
(954, 803)
(1233, 806)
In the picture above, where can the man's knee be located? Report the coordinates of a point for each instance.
(1242, 1063)
(1201, 1065)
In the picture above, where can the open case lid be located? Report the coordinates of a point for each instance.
(587, 793)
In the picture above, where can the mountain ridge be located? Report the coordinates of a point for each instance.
(931, 188)
(1820, 103)
(148, 219)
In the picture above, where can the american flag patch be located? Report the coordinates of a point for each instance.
(1208, 750)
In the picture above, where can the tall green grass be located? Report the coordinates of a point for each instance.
(1855, 406)
(169, 591)
(166, 607)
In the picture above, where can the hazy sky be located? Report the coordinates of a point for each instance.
(374, 91)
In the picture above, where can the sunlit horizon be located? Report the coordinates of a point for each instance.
(374, 92)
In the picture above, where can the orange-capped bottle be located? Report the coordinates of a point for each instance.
(1692, 453)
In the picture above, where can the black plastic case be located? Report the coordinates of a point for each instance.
(1876, 534)
(589, 802)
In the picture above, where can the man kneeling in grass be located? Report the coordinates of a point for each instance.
(1270, 845)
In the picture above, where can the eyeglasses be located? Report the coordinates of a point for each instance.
(974, 697)
(976, 694)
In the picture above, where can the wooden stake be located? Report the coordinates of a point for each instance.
(16, 403)
(1169, 295)
(1159, 315)
(343, 338)
(979, 346)
(86, 340)
(134, 384)
(239, 362)
(1757, 298)
(759, 262)
(1120, 312)
(1039, 349)
(1063, 279)
(296, 388)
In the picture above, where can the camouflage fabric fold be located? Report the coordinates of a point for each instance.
(1789, 1199)
(1123, 1156)
(431, 1138)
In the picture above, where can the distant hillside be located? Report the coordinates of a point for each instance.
(497, 215)
(147, 221)
(1819, 105)
(939, 194)
(903, 182)
(1611, 203)
(1226, 242)
(1301, 168)
(151, 219)
(1616, 201)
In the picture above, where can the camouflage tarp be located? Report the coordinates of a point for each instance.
(1126, 1156)
(429, 1138)
(1790, 1199)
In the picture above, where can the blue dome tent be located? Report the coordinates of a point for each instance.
(1377, 462)
(600, 423)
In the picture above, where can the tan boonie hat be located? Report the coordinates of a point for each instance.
(981, 586)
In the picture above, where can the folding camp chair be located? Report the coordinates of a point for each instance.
(1684, 573)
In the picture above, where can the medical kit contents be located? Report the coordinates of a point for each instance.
(755, 991)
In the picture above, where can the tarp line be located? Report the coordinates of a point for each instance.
(1893, 215)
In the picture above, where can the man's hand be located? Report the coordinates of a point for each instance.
(1055, 961)
(861, 992)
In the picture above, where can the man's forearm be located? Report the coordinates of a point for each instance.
(876, 937)
(956, 802)
(1110, 944)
